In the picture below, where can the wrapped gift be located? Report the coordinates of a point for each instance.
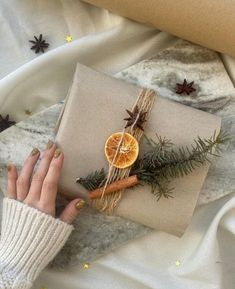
(94, 109)
(188, 19)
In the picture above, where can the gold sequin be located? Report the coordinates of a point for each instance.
(177, 263)
(86, 266)
(69, 38)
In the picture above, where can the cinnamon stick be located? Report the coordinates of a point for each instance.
(111, 188)
(114, 187)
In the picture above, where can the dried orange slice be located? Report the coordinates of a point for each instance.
(127, 151)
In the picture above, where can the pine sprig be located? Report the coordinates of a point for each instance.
(93, 181)
(181, 162)
(160, 188)
(161, 163)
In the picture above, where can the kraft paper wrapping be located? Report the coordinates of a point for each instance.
(205, 22)
(95, 108)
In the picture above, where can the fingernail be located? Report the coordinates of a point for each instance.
(49, 144)
(9, 167)
(34, 152)
(80, 204)
(57, 153)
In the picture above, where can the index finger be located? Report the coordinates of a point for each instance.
(11, 182)
(50, 183)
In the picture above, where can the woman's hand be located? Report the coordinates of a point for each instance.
(30, 235)
(39, 190)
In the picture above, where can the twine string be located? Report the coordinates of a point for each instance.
(107, 203)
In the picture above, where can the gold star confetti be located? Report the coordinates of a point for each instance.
(28, 112)
(177, 263)
(43, 287)
(69, 38)
(86, 265)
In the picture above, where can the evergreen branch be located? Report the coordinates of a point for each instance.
(93, 181)
(164, 164)
(161, 163)
(160, 144)
(160, 188)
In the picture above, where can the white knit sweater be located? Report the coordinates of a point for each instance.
(30, 239)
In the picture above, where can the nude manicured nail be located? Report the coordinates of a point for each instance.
(57, 153)
(9, 167)
(49, 144)
(80, 204)
(34, 152)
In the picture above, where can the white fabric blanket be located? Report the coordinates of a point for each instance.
(205, 257)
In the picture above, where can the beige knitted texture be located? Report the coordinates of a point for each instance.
(30, 239)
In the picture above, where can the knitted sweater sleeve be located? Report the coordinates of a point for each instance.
(30, 239)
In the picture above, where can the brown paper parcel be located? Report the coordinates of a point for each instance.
(205, 22)
(95, 109)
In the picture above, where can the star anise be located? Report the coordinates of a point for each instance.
(185, 87)
(136, 118)
(5, 122)
(39, 44)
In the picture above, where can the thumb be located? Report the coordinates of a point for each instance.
(72, 210)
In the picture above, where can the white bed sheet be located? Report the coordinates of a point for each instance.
(206, 253)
